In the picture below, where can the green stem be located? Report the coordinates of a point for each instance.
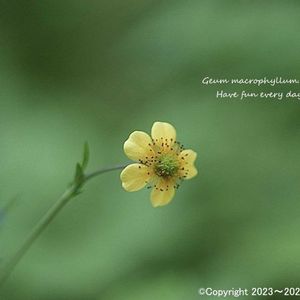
(101, 171)
(70, 193)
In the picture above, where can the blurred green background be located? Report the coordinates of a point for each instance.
(73, 71)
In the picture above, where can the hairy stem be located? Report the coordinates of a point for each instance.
(70, 193)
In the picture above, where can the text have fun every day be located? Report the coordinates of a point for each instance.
(263, 95)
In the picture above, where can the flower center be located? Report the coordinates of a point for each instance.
(166, 166)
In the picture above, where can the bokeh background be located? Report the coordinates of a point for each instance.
(76, 71)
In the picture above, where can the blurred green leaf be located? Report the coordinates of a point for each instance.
(79, 175)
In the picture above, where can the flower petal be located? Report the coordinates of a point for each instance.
(162, 130)
(134, 177)
(187, 159)
(162, 194)
(137, 146)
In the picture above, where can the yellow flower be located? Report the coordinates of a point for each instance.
(161, 163)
